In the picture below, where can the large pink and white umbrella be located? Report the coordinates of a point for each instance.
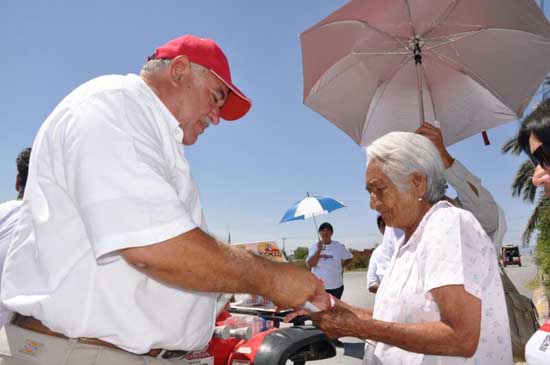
(375, 66)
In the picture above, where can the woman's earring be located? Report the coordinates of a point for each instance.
(419, 199)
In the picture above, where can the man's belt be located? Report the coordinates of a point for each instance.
(33, 324)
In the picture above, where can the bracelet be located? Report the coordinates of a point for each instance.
(332, 301)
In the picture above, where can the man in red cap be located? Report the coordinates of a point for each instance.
(113, 263)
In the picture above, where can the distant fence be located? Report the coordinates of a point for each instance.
(360, 261)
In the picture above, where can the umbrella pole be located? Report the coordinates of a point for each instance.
(316, 231)
(314, 222)
(418, 64)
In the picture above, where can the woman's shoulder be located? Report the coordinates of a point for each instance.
(451, 217)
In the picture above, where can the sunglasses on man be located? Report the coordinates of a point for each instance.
(541, 156)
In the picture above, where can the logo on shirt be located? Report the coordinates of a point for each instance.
(545, 344)
(198, 358)
(325, 256)
(31, 347)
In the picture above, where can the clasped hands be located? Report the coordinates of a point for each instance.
(331, 318)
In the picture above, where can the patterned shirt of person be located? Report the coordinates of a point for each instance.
(449, 247)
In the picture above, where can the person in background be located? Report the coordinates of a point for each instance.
(534, 140)
(380, 224)
(327, 259)
(9, 214)
(379, 260)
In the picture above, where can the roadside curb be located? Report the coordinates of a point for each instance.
(541, 304)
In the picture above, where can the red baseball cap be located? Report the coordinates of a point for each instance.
(208, 54)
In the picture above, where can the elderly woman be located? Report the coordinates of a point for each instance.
(441, 300)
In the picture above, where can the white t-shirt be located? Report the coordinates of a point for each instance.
(381, 256)
(329, 267)
(449, 247)
(9, 214)
(107, 172)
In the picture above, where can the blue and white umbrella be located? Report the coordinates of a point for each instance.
(310, 207)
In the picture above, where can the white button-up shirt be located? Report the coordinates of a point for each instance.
(449, 247)
(9, 215)
(107, 172)
(381, 256)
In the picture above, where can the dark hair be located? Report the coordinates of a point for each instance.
(326, 225)
(381, 224)
(538, 123)
(23, 166)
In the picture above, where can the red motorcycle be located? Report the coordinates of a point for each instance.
(251, 336)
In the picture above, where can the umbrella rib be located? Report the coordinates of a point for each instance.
(468, 72)
(453, 38)
(442, 18)
(408, 6)
(373, 107)
(366, 24)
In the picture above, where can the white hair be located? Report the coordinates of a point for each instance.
(402, 153)
(155, 65)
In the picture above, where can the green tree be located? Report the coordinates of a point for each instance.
(542, 251)
(301, 253)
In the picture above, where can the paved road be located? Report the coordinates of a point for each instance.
(357, 294)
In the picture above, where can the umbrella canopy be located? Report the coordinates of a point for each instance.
(481, 62)
(310, 207)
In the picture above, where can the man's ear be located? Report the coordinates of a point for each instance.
(419, 184)
(180, 67)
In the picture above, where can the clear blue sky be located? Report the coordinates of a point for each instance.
(249, 171)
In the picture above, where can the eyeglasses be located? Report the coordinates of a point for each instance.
(541, 156)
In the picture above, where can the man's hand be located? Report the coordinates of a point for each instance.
(434, 134)
(320, 246)
(293, 286)
(374, 287)
(321, 301)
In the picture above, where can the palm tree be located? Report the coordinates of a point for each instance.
(522, 187)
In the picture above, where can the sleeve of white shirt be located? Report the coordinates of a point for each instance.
(482, 205)
(124, 199)
(345, 253)
(372, 278)
(312, 250)
(452, 250)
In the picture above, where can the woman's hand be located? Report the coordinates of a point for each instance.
(336, 322)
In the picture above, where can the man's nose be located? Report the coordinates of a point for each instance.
(214, 116)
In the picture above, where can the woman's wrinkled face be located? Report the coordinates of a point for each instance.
(398, 208)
